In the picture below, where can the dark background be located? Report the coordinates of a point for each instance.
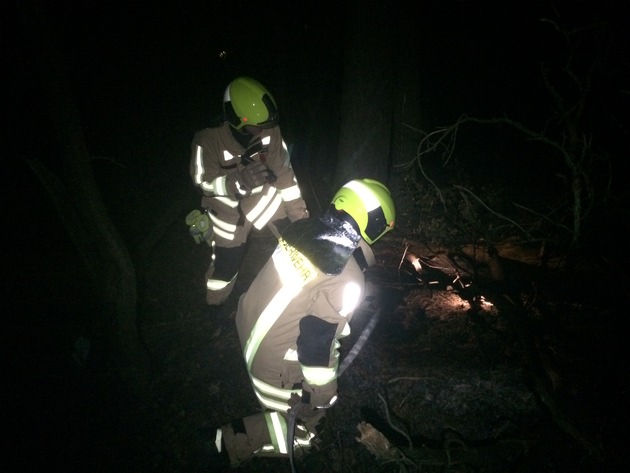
(145, 77)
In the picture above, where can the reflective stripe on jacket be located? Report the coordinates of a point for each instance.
(287, 289)
(216, 154)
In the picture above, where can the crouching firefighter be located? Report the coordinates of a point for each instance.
(292, 317)
(243, 171)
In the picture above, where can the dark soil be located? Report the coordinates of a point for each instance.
(453, 388)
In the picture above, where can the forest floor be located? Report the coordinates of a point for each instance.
(454, 382)
(451, 385)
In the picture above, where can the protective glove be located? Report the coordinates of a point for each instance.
(298, 214)
(296, 210)
(305, 410)
(200, 227)
(246, 178)
(308, 404)
(254, 174)
(236, 187)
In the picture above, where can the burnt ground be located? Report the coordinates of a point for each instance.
(453, 389)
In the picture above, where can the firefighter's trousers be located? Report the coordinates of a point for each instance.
(265, 434)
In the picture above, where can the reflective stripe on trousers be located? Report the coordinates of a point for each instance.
(277, 426)
(271, 397)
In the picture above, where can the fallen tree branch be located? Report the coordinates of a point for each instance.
(494, 455)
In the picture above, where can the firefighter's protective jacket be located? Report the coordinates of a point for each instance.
(297, 308)
(216, 154)
(289, 323)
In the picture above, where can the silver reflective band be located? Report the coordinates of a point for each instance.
(365, 194)
(217, 440)
(218, 284)
(227, 155)
(272, 404)
(351, 297)
(198, 164)
(290, 193)
(264, 208)
(220, 185)
(227, 201)
(330, 403)
(280, 393)
(319, 376)
(269, 213)
(278, 428)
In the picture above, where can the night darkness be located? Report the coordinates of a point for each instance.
(145, 77)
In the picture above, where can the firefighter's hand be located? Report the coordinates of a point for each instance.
(242, 181)
(254, 175)
(236, 187)
(296, 210)
(295, 400)
(305, 410)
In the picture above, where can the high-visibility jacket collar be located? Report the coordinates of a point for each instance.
(328, 242)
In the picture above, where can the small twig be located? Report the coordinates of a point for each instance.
(410, 378)
(544, 217)
(490, 210)
(402, 259)
(407, 378)
(340, 443)
(111, 160)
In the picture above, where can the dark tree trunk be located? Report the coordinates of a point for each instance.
(367, 107)
(83, 212)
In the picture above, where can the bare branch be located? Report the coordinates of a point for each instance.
(490, 210)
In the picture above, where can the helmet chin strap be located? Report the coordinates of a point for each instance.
(242, 136)
(252, 130)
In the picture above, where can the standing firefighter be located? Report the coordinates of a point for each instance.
(242, 168)
(291, 318)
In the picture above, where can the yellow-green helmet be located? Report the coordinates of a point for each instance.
(368, 205)
(247, 102)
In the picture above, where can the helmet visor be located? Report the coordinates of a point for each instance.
(272, 120)
(377, 224)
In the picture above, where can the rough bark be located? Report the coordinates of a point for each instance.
(83, 212)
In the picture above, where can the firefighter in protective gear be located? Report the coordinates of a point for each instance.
(294, 313)
(243, 170)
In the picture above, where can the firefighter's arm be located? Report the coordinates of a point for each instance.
(285, 181)
(207, 176)
(205, 169)
(294, 204)
(319, 360)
